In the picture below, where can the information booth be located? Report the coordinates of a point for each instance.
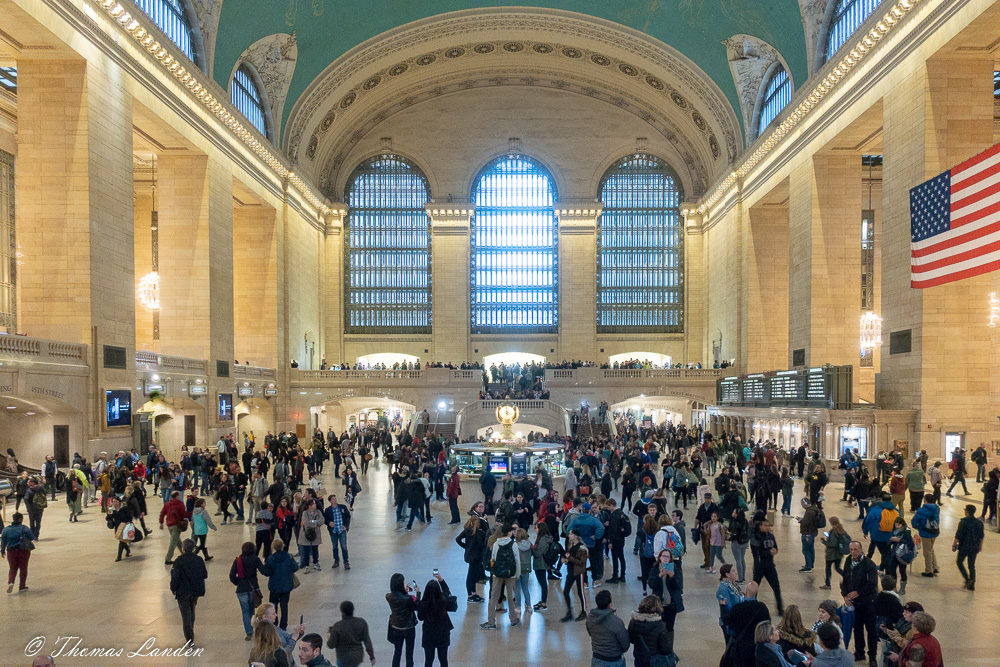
(474, 459)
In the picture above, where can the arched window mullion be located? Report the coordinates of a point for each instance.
(847, 17)
(514, 254)
(777, 93)
(640, 249)
(171, 17)
(246, 95)
(387, 277)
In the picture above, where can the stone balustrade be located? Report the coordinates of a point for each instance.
(40, 349)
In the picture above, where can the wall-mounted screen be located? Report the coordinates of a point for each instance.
(119, 406)
(498, 465)
(225, 407)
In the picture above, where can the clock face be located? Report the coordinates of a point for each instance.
(507, 412)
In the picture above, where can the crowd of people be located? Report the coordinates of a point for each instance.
(526, 534)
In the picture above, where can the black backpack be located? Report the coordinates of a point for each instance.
(505, 565)
(820, 519)
(551, 555)
(624, 525)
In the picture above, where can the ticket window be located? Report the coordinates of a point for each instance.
(469, 463)
(854, 438)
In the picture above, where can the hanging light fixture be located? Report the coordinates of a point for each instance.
(148, 291)
(871, 330)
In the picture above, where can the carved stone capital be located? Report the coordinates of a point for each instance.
(578, 217)
(450, 219)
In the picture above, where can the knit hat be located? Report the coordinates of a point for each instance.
(648, 494)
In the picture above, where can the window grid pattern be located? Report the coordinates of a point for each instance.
(8, 246)
(640, 249)
(777, 94)
(847, 18)
(996, 85)
(514, 249)
(387, 280)
(169, 16)
(246, 97)
(8, 79)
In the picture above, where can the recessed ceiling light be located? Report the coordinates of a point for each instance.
(29, 413)
(12, 407)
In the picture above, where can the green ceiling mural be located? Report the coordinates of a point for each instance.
(326, 29)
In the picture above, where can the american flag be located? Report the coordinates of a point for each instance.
(955, 222)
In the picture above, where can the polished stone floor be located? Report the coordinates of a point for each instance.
(77, 590)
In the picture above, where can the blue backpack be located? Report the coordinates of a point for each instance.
(647, 546)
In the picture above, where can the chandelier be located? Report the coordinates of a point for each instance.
(148, 291)
(871, 331)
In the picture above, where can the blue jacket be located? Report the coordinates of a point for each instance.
(870, 524)
(279, 567)
(10, 538)
(919, 521)
(590, 528)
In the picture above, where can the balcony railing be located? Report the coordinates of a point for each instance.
(146, 360)
(430, 375)
(254, 372)
(41, 349)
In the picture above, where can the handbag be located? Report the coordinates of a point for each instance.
(295, 581)
(669, 660)
(452, 603)
(27, 544)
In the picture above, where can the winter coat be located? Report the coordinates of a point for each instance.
(187, 576)
(311, 519)
(201, 522)
(576, 557)
(924, 513)
(437, 625)
(248, 582)
(279, 568)
(474, 543)
(649, 637)
(402, 611)
(608, 637)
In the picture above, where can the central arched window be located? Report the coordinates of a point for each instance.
(777, 93)
(640, 249)
(246, 96)
(514, 249)
(387, 276)
(847, 17)
(170, 17)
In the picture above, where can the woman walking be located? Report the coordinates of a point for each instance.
(310, 535)
(119, 519)
(646, 555)
(404, 600)
(473, 540)
(433, 611)
(648, 634)
(224, 494)
(286, 521)
(243, 575)
(280, 567)
(543, 545)
(575, 559)
(200, 523)
(16, 543)
(74, 496)
(838, 544)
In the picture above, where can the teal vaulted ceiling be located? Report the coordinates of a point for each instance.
(327, 29)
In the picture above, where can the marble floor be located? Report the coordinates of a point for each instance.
(77, 590)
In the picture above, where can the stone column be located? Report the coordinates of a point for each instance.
(824, 309)
(255, 285)
(766, 333)
(938, 117)
(696, 346)
(75, 217)
(333, 284)
(450, 281)
(577, 278)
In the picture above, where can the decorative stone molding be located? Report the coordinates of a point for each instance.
(603, 51)
(208, 12)
(451, 219)
(274, 59)
(335, 219)
(578, 217)
(750, 58)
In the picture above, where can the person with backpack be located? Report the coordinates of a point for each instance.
(618, 530)
(809, 524)
(35, 501)
(927, 522)
(647, 551)
(902, 552)
(505, 568)
(575, 558)
(957, 465)
(838, 545)
(878, 526)
(16, 544)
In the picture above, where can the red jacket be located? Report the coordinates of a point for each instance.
(174, 512)
(931, 647)
(454, 486)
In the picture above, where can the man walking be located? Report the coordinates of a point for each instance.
(808, 530)
(349, 638)
(859, 587)
(968, 543)
(505, 569)
(915, 480)
(35, 502)
(927, 522)
(187, 583)
(338, 522)
(453, 492)
(49, 471)
(173, 513)
(979, 458)
(958, 472)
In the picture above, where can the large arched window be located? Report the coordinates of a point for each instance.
(777, 93)
(170, 17)
(514, 249)
(246, 96)
(847, 17)
(640, 249)
(387, 275)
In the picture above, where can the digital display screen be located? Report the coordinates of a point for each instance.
(498, 465)
(225, 407)
(119, 404)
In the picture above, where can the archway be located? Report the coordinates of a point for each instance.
(656, 359)
(254, 416)
(340, 414)
(386, 359)
(37, 426)
(510, 358)
(176, 422)
(652, 410)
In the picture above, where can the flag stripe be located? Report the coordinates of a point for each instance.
(975, 163)
(960, 266)
(975, 197)
(953, 241)
(968, 251)
(958, 275)
(989, 207)
(986, 175)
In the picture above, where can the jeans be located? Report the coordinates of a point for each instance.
(542, 577)
(280, 602)
(339, 540)
(34, 519)
(165, 493)
(970, 576)
(597, 662)
(415, 511)
(959, 479)
(246, 606)
(400, 507)
(809, 550)
(786, 503)
(521, 584)
(835, 564)
(711, 465)
(864, 622)
(399, 638)
(307, 550)
(715, 552)
(238, 505)
(980, 472)
(863, 508)
(739, 558)
(442, 653)
(186, 605)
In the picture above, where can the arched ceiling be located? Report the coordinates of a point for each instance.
(326, 30)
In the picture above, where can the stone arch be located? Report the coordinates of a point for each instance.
(761, 89)
(752, 60)
(272, 60)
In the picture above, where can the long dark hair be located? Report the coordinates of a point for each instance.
(397, 583)
(434, 598)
